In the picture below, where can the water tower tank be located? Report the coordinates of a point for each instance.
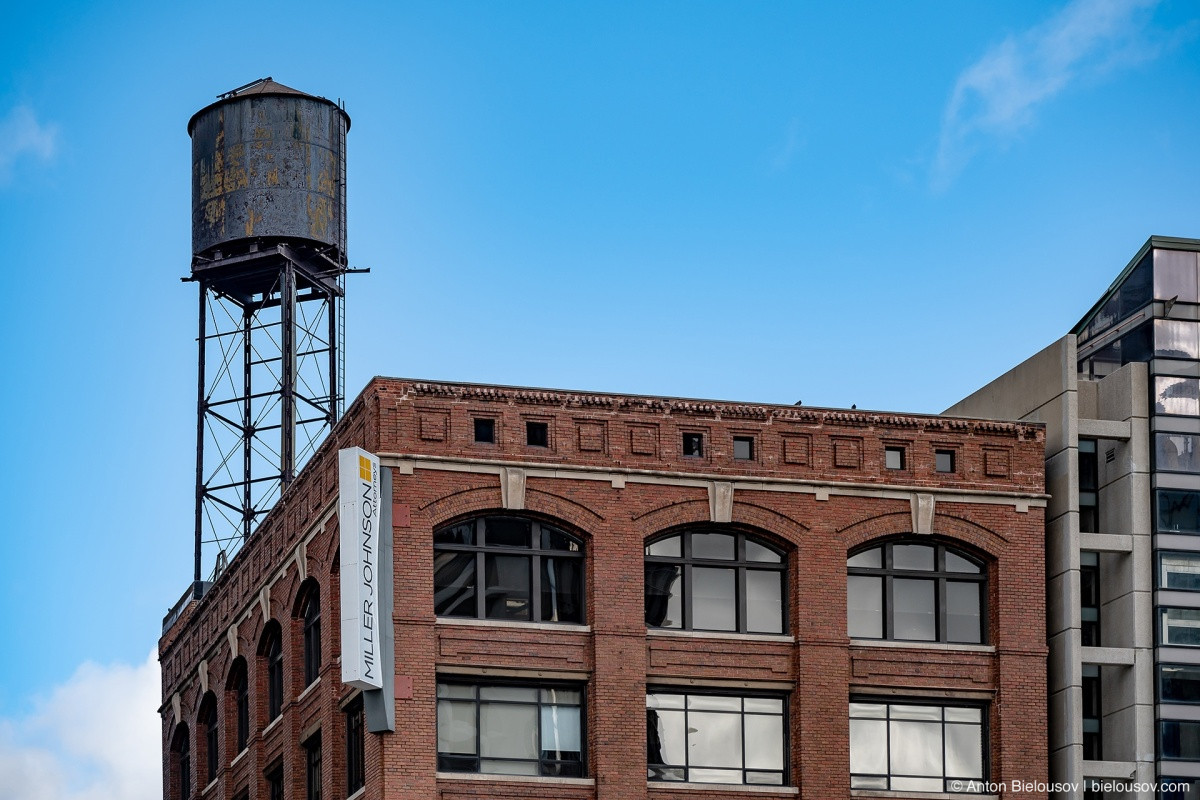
(268, 164)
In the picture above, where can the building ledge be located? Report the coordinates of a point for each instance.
(742, 637)
(1104, 429)
(557, 627)
(309, 689)
(922, 795)
(964, 648)
(1106, 542)
(727, 788)
(1122, 770)
(489, 777)
(1112, 656)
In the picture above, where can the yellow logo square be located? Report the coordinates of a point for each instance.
(364, 468)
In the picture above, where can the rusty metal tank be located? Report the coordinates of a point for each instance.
(268, 164)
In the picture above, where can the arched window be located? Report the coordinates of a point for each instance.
(183, 762)
(310, 613)
(712, 580)
(917, 591)
(508, 568)
(239, 687)
(208, 718)
(271, 651)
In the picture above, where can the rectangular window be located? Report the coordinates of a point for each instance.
(312, 766)
(1092, 715)
(893, 457)
(1179, 683)
(693, 445)
(1178, 511)
(355, 757)
(716, 738)
(1179, 571)
(944, 460)
(1179, 740)
(906, 747)
(485, 431)
(537, 434)
(1089, 486)
(1176, 396)
(743, 448)
(275, 783)
(1176, 339)
(1179, 626)
(1177, 452)
(1175, 276)
(1172, 788)
(518, 729)
(1089, 598)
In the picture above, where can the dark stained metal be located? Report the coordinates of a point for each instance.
(267, 165)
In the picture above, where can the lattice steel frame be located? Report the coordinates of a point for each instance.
(269, 387)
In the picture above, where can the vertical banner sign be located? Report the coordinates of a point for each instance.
(358, 522)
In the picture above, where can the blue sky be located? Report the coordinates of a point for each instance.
(884, 204)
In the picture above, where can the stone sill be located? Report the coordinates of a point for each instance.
(740, 637)
(728, 788)
(558, 627)
(961, 648)
(489, 777)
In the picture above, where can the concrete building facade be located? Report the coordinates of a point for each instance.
(1120, 397)
(796, 602)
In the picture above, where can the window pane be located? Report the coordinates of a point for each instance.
(765, 778)
(507, 593)
(713, 702)
(666, 736)
(916, 748)
(958, 714)
(868, 746)
(456, 690)
(554, 539)
(463, 533)
(507, 731)
(868, 710)
(864, 607)
(715, 775)
(1174, 395)
(956, 563)
(505, 532)
(713, 545)
(454, 584)
(764, 601)
(509, 767)
(560, 733)
(562, 589)
(456, 727)
(669, 547)
(764, 742)
(1175, 275)
(515, 694)
(1175, 339)
(714, 739)
(714, 601)
(1180, 739)
(912, 556)
(562, 697)
(664, 596)
(1177, 452)
(962, 612)
(964, 751)
(870, 559)
(919, 713)
(1181, 626)
(763, 705)
(1180, 571)
(758, 552)
(1178, 512)
(1179, 683)
(904, 784)
(913, 616)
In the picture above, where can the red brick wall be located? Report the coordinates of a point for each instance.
(617, 656)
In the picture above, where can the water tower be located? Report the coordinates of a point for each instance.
(269, 256)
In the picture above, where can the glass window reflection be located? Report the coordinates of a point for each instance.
(911, 747)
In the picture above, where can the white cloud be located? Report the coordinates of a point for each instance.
(96, 737)
(996, 97)
(22, 135)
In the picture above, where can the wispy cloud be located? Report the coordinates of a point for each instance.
(22, 135)
(792, 144)
(96, 737)
(997, 96)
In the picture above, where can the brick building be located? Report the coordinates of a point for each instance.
(798, 602)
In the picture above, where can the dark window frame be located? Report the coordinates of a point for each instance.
(212, 752)
(1093, 702)
(355, 745)
(479, 425)
(544, 765)
(312, 766)
(536, 553)
(1159, 736)
(183, 761)
(537, 433)
(749, 440)
(273, 775)
(691, 444)
(310, 613)
(272, 651)
(901, 451)
(939, 575)
(943, 703)
(241, 700)
(1089, 600)
(1160, 627)
(945, 451)
(691, 691)
(740, 564)
(1158, 569)
(1160, 695)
